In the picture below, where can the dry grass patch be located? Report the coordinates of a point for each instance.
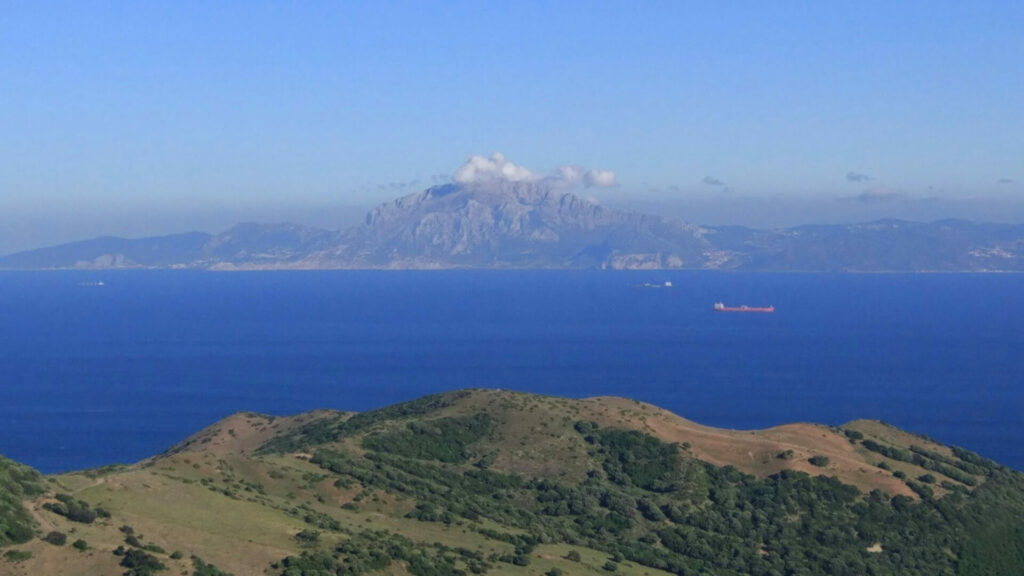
(239, 536)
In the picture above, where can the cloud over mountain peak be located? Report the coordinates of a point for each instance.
(482, 170)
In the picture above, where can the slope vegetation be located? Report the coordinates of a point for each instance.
(498, 482)
(16, 483)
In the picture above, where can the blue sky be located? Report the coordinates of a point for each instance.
(140, 117)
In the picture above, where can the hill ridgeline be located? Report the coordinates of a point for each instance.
(498, 482)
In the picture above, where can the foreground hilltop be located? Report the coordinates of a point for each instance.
(539, 225)
(498, 482)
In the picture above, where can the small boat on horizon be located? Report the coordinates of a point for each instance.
(667, 284)
(720, 307)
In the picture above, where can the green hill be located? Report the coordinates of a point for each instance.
(497, 482)
(17, 482)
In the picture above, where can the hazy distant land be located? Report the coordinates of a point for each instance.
(501, 224)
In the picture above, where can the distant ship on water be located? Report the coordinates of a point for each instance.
(720, 307)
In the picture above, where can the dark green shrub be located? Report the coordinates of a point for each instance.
(443, 439)
(204, 569)
(72, 509)
(819, 461)
(140, 563)
(640, 459)
(308, 537)
(17, 555)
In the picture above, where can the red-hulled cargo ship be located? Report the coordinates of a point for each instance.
(719, 307)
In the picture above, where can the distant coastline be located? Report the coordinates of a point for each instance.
(527, 226)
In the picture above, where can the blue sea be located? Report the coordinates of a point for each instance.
(93, 375)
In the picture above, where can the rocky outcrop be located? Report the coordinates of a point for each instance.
(512, 225)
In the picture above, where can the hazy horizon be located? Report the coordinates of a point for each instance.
(30, 231)
(138, 120)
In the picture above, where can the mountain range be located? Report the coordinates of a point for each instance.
(505, 483)
(501, 224)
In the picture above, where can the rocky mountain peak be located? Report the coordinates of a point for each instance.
(500, 197)
(500, 223)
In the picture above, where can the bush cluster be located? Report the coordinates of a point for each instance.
(645, 501)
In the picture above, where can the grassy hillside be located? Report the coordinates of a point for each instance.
(497, 482)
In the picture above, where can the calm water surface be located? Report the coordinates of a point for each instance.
(92, 375)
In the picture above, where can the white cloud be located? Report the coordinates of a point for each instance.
(599, 178)
(479, 170)
(570, 174)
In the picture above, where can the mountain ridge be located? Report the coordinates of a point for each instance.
(535, 225)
